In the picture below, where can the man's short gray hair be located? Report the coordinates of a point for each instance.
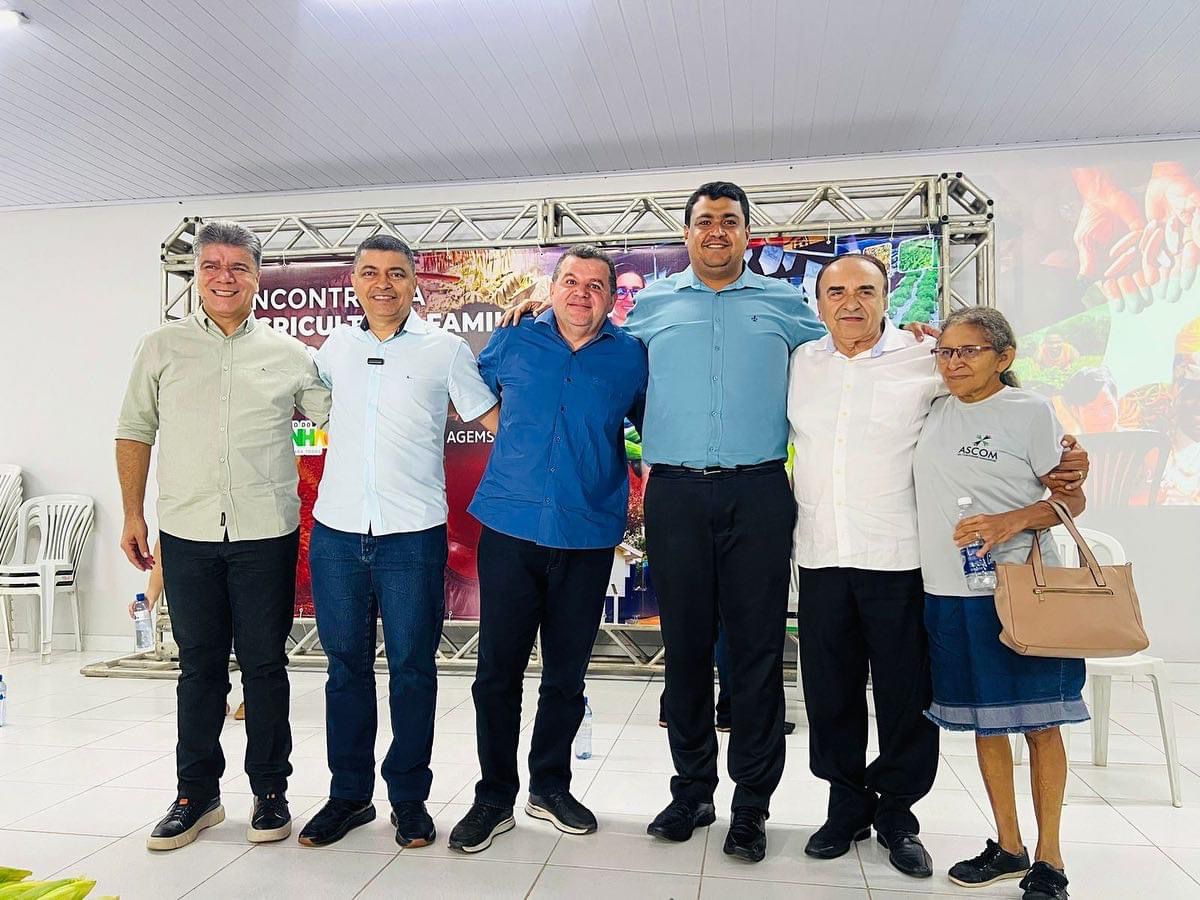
(991, 322)
(587, 251)
(387, 243)
(231, 234)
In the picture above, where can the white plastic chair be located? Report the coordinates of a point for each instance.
(64, 523)
(1101, 671)
(11, 495)
(10, 501)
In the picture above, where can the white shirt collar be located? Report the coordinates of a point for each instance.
(892, 338)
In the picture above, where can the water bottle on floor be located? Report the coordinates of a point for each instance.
(980, 570)
(583, 737)
(143, 630)
(3, 700)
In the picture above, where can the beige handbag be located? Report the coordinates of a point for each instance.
(1091, 611)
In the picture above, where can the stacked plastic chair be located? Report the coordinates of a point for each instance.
(63, 523)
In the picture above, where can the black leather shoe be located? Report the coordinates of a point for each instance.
(414, 826)
(992, 865)
(475, 831)
(789, 728)
(335, 820)
(562, 811)
(183, 823)
(747, 837)
(907, 854)
(1044, 882)
(680, 819)
(831, 841)
(270, 820)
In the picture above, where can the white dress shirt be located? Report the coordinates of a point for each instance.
(855, 423)
(384, 470)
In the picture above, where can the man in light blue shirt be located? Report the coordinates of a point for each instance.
(719, 510)
(379, 539)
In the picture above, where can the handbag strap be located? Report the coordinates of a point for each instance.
(1085, 552)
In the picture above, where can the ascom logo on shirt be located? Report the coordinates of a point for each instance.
(979, 448)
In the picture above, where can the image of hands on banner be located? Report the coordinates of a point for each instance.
(1126, 362)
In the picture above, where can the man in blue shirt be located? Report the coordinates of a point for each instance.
(719, 509)
(552, 503)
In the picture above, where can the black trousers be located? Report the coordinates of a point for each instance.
(718, 547)
(524, 587)
(851, 620)
(240, 594)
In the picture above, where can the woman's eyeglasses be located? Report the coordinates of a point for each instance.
(966, 353)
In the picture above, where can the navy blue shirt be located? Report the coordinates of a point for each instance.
(557, 474)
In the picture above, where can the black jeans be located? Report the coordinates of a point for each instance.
(240, 594)
(849, 620)
(524, 587)
(719, 547)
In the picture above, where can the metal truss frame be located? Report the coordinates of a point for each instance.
(947, 205)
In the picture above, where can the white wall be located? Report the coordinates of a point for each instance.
(79, 286)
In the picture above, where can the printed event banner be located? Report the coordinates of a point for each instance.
(466, 292)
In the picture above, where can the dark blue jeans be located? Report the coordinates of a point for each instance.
(400, 578)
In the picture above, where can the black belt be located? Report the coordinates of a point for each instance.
(707, 471)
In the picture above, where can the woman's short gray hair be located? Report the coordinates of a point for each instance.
(993, 323)
(231, 234)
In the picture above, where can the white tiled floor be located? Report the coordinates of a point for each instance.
(87, 765)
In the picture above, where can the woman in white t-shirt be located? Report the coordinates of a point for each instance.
(994, 443)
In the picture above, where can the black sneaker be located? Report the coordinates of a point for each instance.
(747, 838)
(183, 823)
(562, 811)
(414, 826)
(270, 820)
(992, 865)
(475, 830)
(680, 819)
(1044, 882)
(335, 820)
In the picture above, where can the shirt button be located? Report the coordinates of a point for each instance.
(222, 459)
(554, 468)
(716, 379)
(568, 379)
(715, 413)
(224, 368)
(224, 396)
(222, 428)
(546, 502)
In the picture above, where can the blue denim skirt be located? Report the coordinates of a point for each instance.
(981, 685)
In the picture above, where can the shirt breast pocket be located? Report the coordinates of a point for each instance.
(265, 387)
(896, 402)
(425, 392)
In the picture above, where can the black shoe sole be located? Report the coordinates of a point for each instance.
(367, 814)
(854, 839)
(702, 820)
(540, 812)
(749, 854)
(501, 827)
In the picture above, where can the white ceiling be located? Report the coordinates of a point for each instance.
(126, 99)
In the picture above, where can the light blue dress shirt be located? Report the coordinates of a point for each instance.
(719, 367)
(384, 470)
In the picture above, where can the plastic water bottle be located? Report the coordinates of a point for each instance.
(583, 737)
(3, 700)
(142, 629)
(980, 570)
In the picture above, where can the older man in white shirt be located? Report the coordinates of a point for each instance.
(856, 403)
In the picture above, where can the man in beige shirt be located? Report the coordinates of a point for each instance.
(218, 390)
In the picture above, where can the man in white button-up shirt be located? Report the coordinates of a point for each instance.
(856, 403)
(379, 539)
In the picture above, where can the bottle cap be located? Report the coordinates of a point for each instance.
(965, 501)
(143, 596)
